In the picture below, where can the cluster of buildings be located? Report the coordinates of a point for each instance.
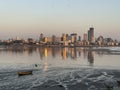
(69, 40)
(66, 40)
(75, 40)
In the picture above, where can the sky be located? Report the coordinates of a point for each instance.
(29, 18)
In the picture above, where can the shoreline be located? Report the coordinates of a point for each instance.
(34, 45)
(20, 47)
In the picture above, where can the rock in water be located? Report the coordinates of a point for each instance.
(118, 82)
(36, 65)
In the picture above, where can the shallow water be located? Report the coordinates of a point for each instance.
(59, 69)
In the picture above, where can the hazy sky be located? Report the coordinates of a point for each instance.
(29, 18)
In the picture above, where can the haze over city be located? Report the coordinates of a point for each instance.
(29, 18)
(59, 44)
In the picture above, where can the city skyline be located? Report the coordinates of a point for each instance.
(87, 37)
(66, 40)
(28, 18)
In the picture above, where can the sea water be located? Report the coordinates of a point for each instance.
(60, 69)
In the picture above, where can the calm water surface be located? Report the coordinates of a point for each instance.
(59, 68)
(59, 57)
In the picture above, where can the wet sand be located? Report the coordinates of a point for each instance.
(62, 79)
(97, 80)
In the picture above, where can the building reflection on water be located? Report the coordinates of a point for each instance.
(85, 52)
(72, 53)
(46, 52)
(62, 53)
(45, 66)
(91, 57)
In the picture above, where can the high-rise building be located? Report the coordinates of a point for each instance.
(17, 38)
(79, 38)
(41, 38)
(85, 38)
(91, 35)
(64, 37)
(53, 39)
(74, 37)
